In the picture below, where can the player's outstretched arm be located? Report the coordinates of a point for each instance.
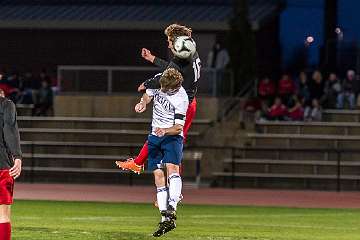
(141, 106)
(148, 56)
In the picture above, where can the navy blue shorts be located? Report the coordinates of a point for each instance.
(166, 149)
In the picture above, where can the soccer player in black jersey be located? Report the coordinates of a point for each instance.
(10, 162)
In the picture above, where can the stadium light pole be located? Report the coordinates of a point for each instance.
(330, 34)
(241, 45)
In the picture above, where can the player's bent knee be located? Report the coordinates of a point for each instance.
(159, 178)
(172, 168)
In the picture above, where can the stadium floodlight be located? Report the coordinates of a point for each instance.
(309, 40)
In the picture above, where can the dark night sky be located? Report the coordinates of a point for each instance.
(349, 19)
(302, 18)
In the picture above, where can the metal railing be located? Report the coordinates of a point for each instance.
(232, 104)
(126, 79)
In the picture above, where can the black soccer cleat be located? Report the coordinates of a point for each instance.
(169, 213)
(164, 227)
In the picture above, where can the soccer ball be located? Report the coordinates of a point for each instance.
(184, 47)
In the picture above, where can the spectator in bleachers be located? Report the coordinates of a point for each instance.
(313, 113)
(35, 82)
(218, 57)
(296, 111)
(303, 87)
(348, 91)
(44, 99)
(266, 90)
(332, 90)
(317, 87)
(286, 88)
(26, 89)
(14, 82)
(10, 83)
(252, 105)
(278, 111)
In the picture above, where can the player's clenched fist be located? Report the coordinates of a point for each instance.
(140, 107)
(141, 87)
(146, 54)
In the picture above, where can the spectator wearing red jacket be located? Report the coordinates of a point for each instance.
(286, 88)
(296, 112)
(278, 110)
(266, 90)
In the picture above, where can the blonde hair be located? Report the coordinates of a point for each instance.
(171, 79)
(176, 30)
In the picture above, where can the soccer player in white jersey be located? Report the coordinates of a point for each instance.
(165, 143)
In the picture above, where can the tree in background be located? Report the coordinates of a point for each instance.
(241, 46)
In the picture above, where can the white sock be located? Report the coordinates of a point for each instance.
(162, 199)
(175, 186)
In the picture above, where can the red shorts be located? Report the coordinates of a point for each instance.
(6, 188)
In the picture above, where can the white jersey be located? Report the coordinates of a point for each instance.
(168, 109)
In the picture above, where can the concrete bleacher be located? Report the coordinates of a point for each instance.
(298, 155)
(294, 168)
(24, 109)
(65, 149)
(85, 135)
(335, 115)
(97, 123)
(314, 128)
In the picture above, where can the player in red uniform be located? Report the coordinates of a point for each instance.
(190, 70)
(10, 162)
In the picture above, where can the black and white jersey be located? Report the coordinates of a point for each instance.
(168, 110)
(189, 69)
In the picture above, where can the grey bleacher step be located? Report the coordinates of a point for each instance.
(88, 135)
(82, 144)
(24, 109)
(286, 162)
(283, 175)
(77, 170)
(72, 156)
(90, 131)
(97, 123)
(97, 119)
(292, 162)
(296, 123)
(341, 115)
(341, 111)
(303, 136)
(313, 128)
(88, 148)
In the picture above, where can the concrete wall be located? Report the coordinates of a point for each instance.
(120, 106)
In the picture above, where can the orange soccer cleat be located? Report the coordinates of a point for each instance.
(130, 165)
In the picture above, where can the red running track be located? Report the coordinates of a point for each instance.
(211, 196)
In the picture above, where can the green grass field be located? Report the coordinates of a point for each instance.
(35, 220)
